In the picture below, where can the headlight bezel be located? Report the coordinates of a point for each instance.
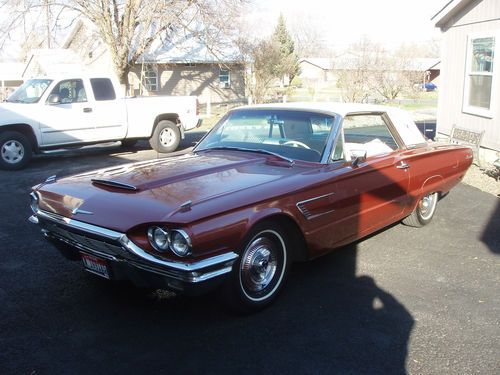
(152, 232)
(168, 244)
(185, 238)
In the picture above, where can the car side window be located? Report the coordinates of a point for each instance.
(70, 91)
(367, 133)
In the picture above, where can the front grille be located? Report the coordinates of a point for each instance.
(83, 241)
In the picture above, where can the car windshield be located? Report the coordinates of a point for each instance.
(291, 134)
(30, 91)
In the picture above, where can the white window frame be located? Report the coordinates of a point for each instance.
(225, 84)
(473, 110)
(150, 82)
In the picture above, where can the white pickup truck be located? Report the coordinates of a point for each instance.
(54, 113)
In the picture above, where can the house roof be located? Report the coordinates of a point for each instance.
(51, 61)
(11, 71)
(446, 14)
(187, 48)
(320, 62)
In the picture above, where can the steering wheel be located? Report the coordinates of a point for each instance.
(296, 144)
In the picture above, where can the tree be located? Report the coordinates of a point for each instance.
(288, 65)
(129, 27)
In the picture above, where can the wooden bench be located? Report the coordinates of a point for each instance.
(467, 137)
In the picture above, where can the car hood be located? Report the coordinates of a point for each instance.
(179, 189)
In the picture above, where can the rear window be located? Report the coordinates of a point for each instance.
(103, 89)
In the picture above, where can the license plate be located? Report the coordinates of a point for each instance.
(95, 265)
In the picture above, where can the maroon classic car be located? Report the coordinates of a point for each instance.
(267, 186)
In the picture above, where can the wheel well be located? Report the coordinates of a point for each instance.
(174, 117)
(299, 250)
(23, 129)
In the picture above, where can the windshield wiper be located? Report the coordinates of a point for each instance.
(259, 150)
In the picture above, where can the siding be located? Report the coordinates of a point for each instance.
(201, 80)
(478, 17)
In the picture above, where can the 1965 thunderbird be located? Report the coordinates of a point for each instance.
(267, 186)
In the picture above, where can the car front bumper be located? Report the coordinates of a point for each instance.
(127, 261)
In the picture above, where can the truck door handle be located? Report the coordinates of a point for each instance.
(402, 165)
(87, 110)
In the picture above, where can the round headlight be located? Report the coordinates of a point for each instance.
(158, 238)
(34, 202)
(180, 243)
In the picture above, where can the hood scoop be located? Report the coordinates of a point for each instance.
(115, 184)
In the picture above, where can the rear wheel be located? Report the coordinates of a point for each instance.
(166, 137)
(424, 212)
(261, 270)
(15, 150)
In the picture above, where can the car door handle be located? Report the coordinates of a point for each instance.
(402, 165)
(87, 110)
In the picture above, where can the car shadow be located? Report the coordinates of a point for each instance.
(490, 236)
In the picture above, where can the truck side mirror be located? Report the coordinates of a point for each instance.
(54, 99)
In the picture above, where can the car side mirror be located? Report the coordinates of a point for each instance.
(357, 156)
(54, 99)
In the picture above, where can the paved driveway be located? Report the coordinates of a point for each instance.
(422, 301)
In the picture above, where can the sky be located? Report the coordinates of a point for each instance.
(390, 22)
(338, 22)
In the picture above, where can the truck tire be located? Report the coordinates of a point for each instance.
(16, 150)
(166, 137)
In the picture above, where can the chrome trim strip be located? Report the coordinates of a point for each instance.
(222, 260)
(315, 198)
(304, 211)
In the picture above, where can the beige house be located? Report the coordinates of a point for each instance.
(469, 94)
(178, 67)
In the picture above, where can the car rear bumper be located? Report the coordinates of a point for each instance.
(126, 261)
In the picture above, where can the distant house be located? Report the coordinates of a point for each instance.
(325, 71)
(10, 78)
(181, 66)
(470, 78)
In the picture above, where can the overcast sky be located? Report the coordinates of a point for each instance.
(390, 22)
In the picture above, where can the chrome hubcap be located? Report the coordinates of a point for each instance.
(259, 264)
(167, 137)
(427, 205)
(12, 152)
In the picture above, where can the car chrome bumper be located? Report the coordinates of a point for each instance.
(125, 258)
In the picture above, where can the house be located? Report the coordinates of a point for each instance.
(325, 71)
(180, 66)
(41, 62)
(10, 78)
(470, 78)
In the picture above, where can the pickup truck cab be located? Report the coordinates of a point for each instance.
(53, 113)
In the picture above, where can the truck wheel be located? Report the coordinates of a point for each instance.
(15, 150)
(166, 137)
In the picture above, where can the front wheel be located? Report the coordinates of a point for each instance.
(261, 270)
(424, 212)
(15, 150)
(166, 137)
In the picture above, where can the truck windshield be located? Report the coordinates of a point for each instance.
(30, 91)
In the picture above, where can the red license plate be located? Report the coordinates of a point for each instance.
(95, 265)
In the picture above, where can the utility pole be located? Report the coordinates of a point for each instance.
(47, 19)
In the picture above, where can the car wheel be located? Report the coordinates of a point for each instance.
(166, 137)
(15, 150)
(424, 211)
(260, 272)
